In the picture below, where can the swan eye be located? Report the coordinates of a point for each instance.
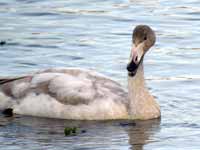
(145, 38)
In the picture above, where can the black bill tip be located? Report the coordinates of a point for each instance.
(132, 68)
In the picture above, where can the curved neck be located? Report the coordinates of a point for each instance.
(137, 82)
(141, 103)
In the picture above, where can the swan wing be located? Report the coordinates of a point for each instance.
(67, 86)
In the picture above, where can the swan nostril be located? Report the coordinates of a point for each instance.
(136, 58)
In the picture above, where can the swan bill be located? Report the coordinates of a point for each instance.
(132, 67)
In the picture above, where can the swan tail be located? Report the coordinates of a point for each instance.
(7, 80)
(6, 96)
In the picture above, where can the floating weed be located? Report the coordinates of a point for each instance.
(73, 131)
(70, 131)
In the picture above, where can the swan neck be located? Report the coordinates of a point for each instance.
(141, 103)
(136, 84)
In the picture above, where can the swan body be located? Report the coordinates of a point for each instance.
(66, 93)
(71, 93)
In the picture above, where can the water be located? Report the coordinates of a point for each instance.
(97, 35)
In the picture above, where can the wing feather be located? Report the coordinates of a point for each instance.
(67, 86)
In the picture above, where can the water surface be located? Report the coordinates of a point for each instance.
(97, 35)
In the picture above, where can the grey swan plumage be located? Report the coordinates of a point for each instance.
(79, 94)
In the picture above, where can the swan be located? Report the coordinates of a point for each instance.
(79, 94)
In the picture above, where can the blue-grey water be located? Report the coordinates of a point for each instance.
(96, 34)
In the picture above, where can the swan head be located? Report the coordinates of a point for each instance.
(143, 39)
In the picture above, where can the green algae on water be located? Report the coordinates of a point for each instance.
(70, 131)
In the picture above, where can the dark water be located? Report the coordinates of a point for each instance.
(97, 35)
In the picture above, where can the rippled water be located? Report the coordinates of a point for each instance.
(97, 35)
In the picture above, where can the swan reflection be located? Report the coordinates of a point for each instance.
(142, 133)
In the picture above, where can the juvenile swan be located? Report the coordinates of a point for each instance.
(69, 93)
